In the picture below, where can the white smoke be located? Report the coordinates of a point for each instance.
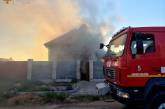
(27, 24)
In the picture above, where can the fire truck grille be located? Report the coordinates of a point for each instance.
(111, 73)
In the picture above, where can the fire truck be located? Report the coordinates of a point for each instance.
(134, 66)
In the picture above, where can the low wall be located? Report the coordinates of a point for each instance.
(41, 70)
(46, 70)
(13, 70)
(98, 70)
(66, 70)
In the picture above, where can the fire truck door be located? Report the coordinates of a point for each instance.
(147, 63)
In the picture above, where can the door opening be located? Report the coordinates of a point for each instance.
(84, 70)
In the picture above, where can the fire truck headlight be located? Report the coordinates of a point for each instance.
(108, 64)
(116, 63)
(122, 94)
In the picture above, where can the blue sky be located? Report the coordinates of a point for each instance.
(141, 13)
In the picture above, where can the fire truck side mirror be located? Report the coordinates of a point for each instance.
(101, 45)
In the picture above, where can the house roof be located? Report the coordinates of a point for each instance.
(79, 42)
(73, 37)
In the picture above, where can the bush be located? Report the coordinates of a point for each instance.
(74, 80)
(25, 99)
(30, 87)
(54, 97)
(86, 98)
(8, 94)
(90, 98)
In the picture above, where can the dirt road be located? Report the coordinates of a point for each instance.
(93, 105)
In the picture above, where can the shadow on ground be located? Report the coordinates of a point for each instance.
(132, 107)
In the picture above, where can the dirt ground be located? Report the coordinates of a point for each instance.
(92, 105)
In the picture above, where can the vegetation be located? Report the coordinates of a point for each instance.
(25, 99)
(28, 86)
(5, 85)
(86, 98)
(90, 98)
(10, 94)
(54, 97)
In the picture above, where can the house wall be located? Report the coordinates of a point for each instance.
(61, 54)
(68, 54)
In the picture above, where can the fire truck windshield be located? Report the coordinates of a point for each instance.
(116, 47)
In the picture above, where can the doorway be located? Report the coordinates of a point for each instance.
(84, 70)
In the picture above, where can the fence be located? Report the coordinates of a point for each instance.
(13, 70)
(98, 70)
(48, 71)
(66, 70)
(41, 70)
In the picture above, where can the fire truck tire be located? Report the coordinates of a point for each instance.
(157, 102)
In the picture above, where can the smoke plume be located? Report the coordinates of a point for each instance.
(27, 24)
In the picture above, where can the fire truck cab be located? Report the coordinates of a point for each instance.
(134, 66)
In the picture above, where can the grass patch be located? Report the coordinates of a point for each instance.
(90, 98)
(33, 99)
(5, 93)
(5, 85)
(9, 92)
(25, 99)
(47, 98)
(38, 86)
(54, 97)
(3, 101)
(9, 88)
(29, 86)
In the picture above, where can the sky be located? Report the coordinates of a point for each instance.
(141, 13)
(26, 25)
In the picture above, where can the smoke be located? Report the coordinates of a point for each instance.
(27, 24)
(98, 15)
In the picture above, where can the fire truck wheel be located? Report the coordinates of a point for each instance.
(157, 102)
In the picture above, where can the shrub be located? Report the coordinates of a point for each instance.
(86, 98)
(8, 94)
(74, 80)
(54, 97)
(25, 99)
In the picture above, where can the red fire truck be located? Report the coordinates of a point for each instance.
(134, 66)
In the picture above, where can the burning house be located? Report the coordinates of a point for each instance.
(79, 45)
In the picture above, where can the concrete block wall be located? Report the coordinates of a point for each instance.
(66, 70)
(51, 71)
(98, 70)
(48, 71)
(62, 70)
(41, 70)
(13, 70)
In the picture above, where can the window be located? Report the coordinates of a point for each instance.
(116, 47)
(148, 44)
